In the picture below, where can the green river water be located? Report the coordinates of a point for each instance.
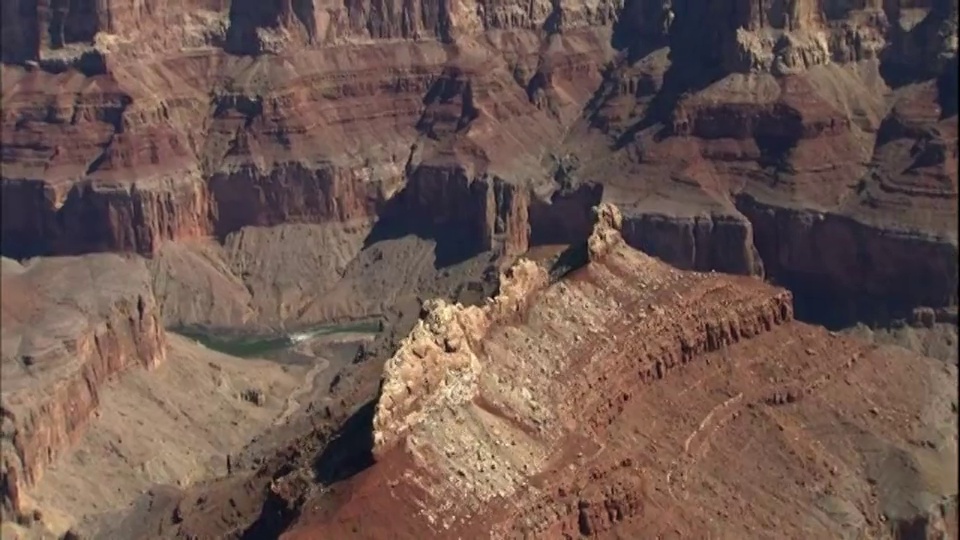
(246, 346)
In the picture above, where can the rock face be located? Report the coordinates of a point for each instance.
(69, 325)
(838, 260)
(621, 398)
(437, 364)
(159, 121)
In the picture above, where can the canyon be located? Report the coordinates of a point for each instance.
(813, 123)
(258, 167)
(622, 398)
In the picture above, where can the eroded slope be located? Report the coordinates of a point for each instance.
(69, 325)
(623, 398)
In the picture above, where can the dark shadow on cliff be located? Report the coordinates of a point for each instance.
(14, 247)
(454, 243)
(947, 89)
(275, 516)
(350, 451)
(569, 260)
(90, 63)
(691, 69)
(816, 302)
(677, 81)
(903, 61)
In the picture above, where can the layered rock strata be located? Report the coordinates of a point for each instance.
(621, 398)
(169, 121)
(69, 325)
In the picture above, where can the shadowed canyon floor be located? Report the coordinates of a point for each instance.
(243, 168)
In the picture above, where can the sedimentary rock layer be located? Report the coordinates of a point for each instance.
(171, 120)
(603, 404)
(69, 325)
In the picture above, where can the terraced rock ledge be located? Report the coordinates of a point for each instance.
(622, 398)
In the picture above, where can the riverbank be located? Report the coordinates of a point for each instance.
(247, 345)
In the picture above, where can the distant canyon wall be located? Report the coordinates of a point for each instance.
(434, 113)
(806, 250)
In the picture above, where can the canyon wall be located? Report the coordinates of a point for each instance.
(479, 213)
(718, 242)
(850, 268)
(203, 117)
(69, 325)
(93, 217)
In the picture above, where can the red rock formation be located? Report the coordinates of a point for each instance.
(479, 213)
(566, 217)
(291, 193)
(96, 217)
(710, 242)
(851, 266)
(69, 325)
(616, 401)
(792, 104)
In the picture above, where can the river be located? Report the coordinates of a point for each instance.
(260, 345)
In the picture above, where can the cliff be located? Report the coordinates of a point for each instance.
(603, 403)
(69, 325)
(164, 121)
(439, 364)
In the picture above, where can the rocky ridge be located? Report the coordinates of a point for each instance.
(531, 432)
(437, 365)
(60, 347)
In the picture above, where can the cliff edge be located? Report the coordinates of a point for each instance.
(69, 325)
(603, 403)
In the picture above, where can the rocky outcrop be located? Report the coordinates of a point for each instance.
(437, 364)
(528, 421)
(69, 326)
(605, 237)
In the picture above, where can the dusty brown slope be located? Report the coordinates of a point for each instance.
(100, 404)
(69, 325)
(630, 398)
(175, 425)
